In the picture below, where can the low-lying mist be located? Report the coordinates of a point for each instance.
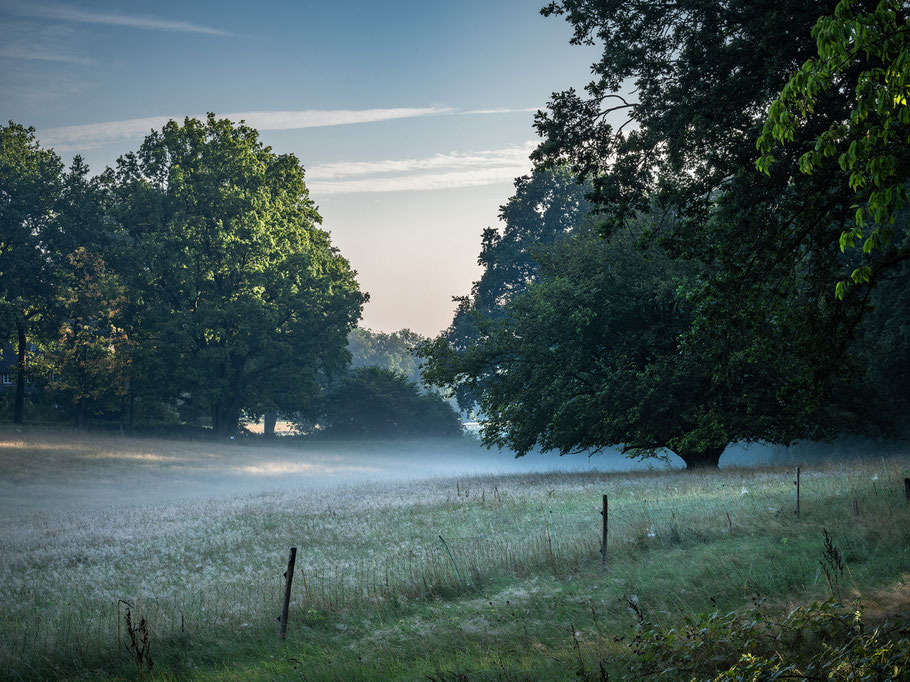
(61, 472)
(49, 473)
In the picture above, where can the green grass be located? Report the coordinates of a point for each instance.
(375, 592)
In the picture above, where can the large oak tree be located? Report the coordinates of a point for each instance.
(241, 301)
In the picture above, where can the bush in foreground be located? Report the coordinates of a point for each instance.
(823, 641)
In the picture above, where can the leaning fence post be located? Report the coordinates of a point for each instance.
(288, 577)
(855, 509)
(907, 489)
(603, 542)
(797, 492)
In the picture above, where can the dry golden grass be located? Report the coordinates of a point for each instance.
(882, 604)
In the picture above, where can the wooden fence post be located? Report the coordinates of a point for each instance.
(907, 489)
(797, 492)
(603, 542)
(288, 577)
(855, 509)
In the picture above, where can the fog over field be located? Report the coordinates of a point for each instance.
(50, 473)
(410, 553)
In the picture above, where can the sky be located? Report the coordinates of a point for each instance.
(411, 119)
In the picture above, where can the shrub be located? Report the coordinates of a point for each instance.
(823, 641)
(372, 401)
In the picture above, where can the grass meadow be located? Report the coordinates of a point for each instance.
(448, 577)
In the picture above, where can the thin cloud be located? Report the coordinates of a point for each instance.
(421, 183)
(34, 41)
(90, 136)
(80, 138)
(500, 110)
(38, 54)
(440, 171)
(317, 118)
(509, 156)
(58, 12)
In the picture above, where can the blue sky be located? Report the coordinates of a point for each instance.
(410, 118)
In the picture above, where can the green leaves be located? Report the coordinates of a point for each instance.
(824, 640)
(31, 186)
(254, 302)
(871, 145)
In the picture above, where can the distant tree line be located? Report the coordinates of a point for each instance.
(189, 286)
(652, 289)
(383, 393)
(394, 351)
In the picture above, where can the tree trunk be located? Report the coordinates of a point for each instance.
(19, 409)
(230, 421)
(80, 415)
(226, 417)
(228, 407)
(269, 421)
(702, 459)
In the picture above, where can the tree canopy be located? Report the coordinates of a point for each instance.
(708, 316)
(601, 351)
(234, 276)
(30, 188)
(546, 205)
(676, 98)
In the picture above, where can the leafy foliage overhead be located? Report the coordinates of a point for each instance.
(863, 50)
(676, 97)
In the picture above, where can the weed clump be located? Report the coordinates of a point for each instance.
(138, 644)
(825, 640)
